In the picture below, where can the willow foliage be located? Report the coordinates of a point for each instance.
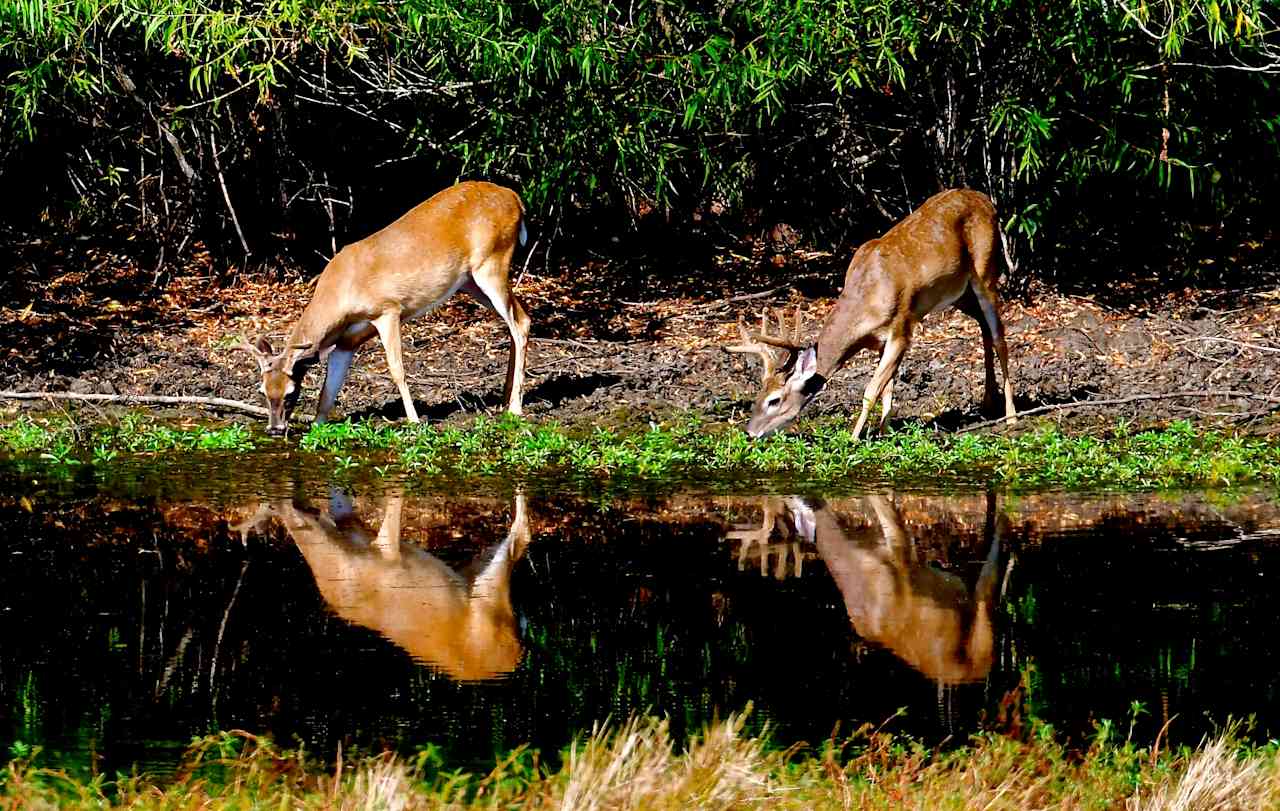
(326, 115)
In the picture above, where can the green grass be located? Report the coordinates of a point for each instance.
(637, 765)
(824, 451)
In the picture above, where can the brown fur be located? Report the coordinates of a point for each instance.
(462, 238)
(927, 617)
(465, 629)
(942, 253)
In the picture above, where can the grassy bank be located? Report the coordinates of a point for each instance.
(636, 765)
(1178, 454)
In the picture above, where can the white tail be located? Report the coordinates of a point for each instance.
(943, 253)
(460, 239)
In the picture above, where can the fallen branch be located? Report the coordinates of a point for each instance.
(1121, 400)
(712, 305)
(211, 402)
(1231, 341)
(745, 297)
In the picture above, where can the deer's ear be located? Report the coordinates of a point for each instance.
(264, 346)
(294, 353)
(806, 365)
(802, 515)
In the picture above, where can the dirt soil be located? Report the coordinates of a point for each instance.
(619, 345)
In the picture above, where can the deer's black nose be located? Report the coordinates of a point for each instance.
(275, 430)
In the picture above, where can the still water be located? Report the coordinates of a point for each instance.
(388, 615)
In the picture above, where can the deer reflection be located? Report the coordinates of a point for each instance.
(463, 626)
(929, 618)
(773, 537)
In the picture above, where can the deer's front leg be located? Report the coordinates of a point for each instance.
(885, 370)
(388, 540)
(388, 327)
(886, 402)
(335, 374)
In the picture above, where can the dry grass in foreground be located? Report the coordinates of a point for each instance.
(637, 766)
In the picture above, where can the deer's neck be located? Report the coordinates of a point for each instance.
(831, 353)
(843, 334)
(319, 324)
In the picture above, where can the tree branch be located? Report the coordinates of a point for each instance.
(213, 148)
(211, 402)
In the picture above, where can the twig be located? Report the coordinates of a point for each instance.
(212, 402)
(213, 147)
(165, 132)
(1237, 415)
(1120, 400)
(715, 304)
(525, 267)
(217, 645)
(1258, 347)
(745, 297)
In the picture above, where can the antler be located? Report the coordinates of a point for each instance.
(254, 523)
(244, 346)
(763, 344)
(261, 357)
(758, 542)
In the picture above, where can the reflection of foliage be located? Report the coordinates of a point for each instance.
(30, 705)
(1124, 622)
(311, 110)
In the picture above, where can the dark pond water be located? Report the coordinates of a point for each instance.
(375, 615)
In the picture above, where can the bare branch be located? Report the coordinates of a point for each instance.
(1206, 393)
(139, 399)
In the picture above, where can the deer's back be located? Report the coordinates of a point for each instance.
(424, 256)
(924, 262)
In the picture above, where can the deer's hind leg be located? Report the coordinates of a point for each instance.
(491, 281)
(982, 246)
(989, 308)
(968, 304)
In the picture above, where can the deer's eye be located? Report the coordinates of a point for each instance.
(772, 402)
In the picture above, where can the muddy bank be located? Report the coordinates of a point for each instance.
(605, 352)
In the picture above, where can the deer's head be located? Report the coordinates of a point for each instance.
(789, 378)
(281, 379)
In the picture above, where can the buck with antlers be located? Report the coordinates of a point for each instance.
(460, 239)
(931, 619)
(943, 253)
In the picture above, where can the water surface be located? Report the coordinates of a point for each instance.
(386, 615)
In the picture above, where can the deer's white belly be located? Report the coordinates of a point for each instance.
(431, 305)
(939, 297)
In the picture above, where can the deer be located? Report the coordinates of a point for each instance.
(460, 239)
(928, 618)
(941, 254)
(759, 541)
(463, 627)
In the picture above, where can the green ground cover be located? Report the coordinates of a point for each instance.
(822, 451)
